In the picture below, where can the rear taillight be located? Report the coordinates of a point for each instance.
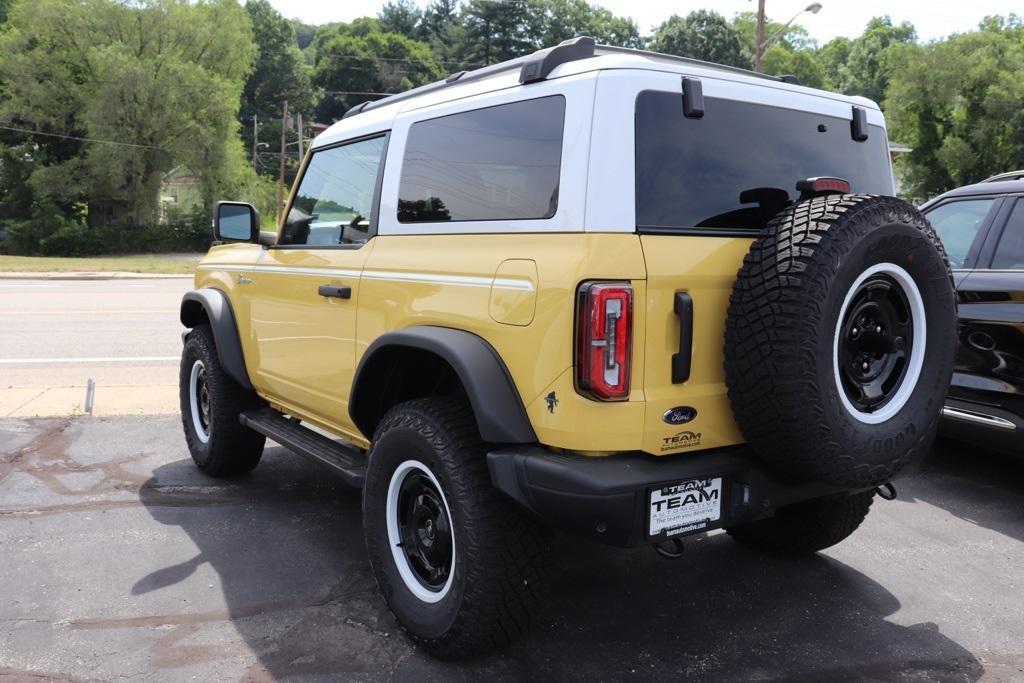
(604, 339)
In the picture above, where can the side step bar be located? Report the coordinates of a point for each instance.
(344, 460)
(961, 415)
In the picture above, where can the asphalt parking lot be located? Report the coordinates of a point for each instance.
(122, 561)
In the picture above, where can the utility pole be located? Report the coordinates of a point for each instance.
(759, 48)
(302, 142)
(280, 178)
(255, 139)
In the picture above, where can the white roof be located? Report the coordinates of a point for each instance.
(380, 118)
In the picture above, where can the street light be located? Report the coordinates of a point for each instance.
(762, 44)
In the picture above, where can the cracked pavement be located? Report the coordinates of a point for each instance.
(120, 561)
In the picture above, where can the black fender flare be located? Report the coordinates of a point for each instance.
(218, 311)
(500, 414)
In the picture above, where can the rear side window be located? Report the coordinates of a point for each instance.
(738, 166)
(1010, 252)
(957, 224)
(498, 163)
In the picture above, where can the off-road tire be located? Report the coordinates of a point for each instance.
(500, 553)
(806, 527)
(782, 333)
(230, 448)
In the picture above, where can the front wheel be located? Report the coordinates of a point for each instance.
(210, 405)
(459, 566)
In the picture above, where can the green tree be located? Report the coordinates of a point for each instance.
(833, 57)
(957, 104)
(558, 20)
(795, 38)
(867, 67)
(402, 17)
(373, 63)
(781, 60)
(161, 78)
(279, 72)
(702, 34)
(304, 33)
(497, 31)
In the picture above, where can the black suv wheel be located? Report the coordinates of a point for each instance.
(459, 566)
(210, 405)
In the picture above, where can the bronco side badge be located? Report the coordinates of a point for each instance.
(679, 415)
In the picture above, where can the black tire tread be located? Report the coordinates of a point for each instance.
(806, 527)
(506, 557)
(233, 449)
(772, 323)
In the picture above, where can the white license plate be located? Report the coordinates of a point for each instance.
(685, 507)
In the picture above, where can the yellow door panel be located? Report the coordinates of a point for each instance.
(705, 267)
(303, 343)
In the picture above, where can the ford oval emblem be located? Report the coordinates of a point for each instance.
(679, 415)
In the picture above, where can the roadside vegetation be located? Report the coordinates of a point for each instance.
(122, 122)
(164, 264)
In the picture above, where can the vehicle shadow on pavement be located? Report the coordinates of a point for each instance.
(982, 486)
(287, 544)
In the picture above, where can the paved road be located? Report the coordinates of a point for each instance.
(56, 334)
(121, 560)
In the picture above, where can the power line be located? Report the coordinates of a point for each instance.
(75, 137)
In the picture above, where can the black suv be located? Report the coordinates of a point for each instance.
(982, 227)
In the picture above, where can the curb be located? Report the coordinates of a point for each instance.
(93, 275)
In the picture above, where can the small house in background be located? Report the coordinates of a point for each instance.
(180, 191)
(895, 150)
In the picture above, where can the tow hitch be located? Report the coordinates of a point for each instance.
(886, 491)
(671, 549)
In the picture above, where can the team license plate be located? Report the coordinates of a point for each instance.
(685, 507)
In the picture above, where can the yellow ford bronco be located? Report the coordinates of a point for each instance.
(623, 295)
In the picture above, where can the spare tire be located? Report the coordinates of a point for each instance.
(840, 338)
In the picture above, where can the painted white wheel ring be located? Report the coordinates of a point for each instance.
(193, 401)
(395, 537)
(914, 364)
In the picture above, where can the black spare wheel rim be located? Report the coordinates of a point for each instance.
(875, 341)
(425, 530)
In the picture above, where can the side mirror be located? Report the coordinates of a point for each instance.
(236, 222)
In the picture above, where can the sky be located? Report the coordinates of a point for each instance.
(932, 18)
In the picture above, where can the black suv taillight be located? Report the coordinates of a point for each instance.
(604, 339)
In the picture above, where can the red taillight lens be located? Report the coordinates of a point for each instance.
(604, 339)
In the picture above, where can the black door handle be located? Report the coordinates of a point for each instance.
(683, 307)
(336, 292)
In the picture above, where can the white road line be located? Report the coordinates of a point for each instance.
(135, 359)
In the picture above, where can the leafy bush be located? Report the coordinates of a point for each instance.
(50, 233)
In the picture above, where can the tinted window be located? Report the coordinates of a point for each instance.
(957, 224)
(499, 163)
(1010, 252)
(335, 198)
(739, 164)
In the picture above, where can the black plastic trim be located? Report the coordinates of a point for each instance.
(497, 406)
(540, 64)
(693, 98)
(859, 124)
(702, 232)
(225, 331)
(605, 499)
(682, 306)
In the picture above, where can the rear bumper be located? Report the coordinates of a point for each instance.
(607, 499)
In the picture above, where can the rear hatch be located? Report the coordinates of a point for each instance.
(704, 188)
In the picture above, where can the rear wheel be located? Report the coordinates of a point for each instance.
(806, 527)
(210, 405)
(460, 567)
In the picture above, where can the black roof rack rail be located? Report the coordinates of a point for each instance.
(539, 65)
(545, 60)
